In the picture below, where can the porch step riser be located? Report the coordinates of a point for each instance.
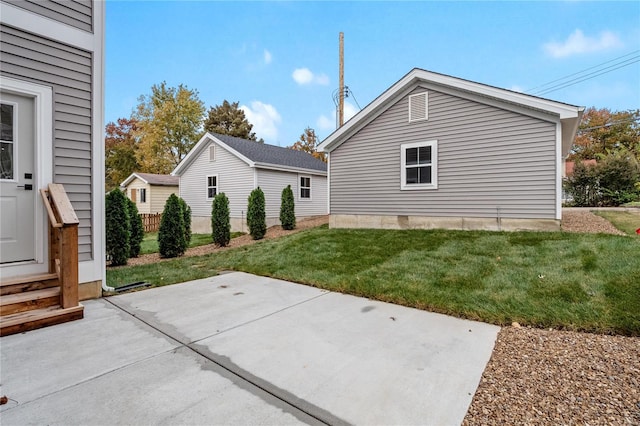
(32, 320)
(29, 305)
(28, 283)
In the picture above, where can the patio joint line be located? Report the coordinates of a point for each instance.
(309, 412)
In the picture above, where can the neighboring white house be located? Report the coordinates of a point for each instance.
(435, 151)
(51, 90)
(150, 191)
(221, 163)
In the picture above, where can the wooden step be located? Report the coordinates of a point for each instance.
(28, 283)
(30, 300)
(31, 320)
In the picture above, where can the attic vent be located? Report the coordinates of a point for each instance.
(212, 153)
(418, 107)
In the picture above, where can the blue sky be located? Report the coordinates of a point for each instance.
(279, 60)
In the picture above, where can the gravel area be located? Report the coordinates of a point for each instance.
(559, 377)
(273, 232)
(585, 221)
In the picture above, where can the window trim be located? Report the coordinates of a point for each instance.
(142, 195)
(300, 188)
(434, 166)
(217, 185)
(212, 149)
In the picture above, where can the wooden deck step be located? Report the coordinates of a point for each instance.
(31, 320)
(30, 300)
(28, 283)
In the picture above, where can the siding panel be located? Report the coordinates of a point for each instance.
(76, 14)
(488, 159)
(235, 179)
(68, 71)
(272, 183)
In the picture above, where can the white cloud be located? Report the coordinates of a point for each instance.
(267, 57)
(349, 111)
(265, 119)
(516, 88)
(304, 76)
(325, 123)
(578, 43)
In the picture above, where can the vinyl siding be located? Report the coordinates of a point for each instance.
(77, 13)
(272, 183)
(68, 71)
(135, 185)
(158, 195)
(235, 179)
(488, 158)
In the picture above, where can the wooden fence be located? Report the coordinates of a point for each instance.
(151, 222)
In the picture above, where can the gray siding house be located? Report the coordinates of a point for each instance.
(221, 163)
(435, 151)
(51, 90)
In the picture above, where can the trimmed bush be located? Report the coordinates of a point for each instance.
(137, 229)
(171, 241)
(117, 227)
(186, 215)
(220, 220)
(287, 209)
(256, 217)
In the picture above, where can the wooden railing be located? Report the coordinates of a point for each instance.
(63, 242)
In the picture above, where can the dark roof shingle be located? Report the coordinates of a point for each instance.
(271, 154)
(162, 180)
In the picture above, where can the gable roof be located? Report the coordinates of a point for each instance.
(569, 115)
(152, 179)
(256, 155)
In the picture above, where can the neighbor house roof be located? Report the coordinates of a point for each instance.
(571, 165)
(152, 179)
(569, 115)
(256, 154)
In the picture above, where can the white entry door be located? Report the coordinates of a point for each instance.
(17, 179)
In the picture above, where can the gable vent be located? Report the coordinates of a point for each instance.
(418, 107)
(212, 153)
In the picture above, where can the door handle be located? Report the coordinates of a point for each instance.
(27, 187)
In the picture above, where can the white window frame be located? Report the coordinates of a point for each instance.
(216, 186)
(434, 166)
(300, 188)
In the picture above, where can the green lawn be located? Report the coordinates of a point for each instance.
(624, 221)
(565, 280)
(150, 241)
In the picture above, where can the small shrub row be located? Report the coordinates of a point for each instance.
(256, 215)
(123, 228)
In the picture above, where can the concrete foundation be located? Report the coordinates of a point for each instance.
(90, 290)
(426, 222)
(202, 225)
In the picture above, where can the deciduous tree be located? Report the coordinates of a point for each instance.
(120, 147)
(602, 131)
(169, 125)
(308, 142)
(229, 119)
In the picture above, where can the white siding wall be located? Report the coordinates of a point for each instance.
(235, 179)
(488, 157)
(135, 185)
(272, 183)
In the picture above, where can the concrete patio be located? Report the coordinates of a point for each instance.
(243, 349)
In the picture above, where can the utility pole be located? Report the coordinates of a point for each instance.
(341, 78)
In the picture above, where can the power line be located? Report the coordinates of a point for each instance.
(580, 72)
(589, 76)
